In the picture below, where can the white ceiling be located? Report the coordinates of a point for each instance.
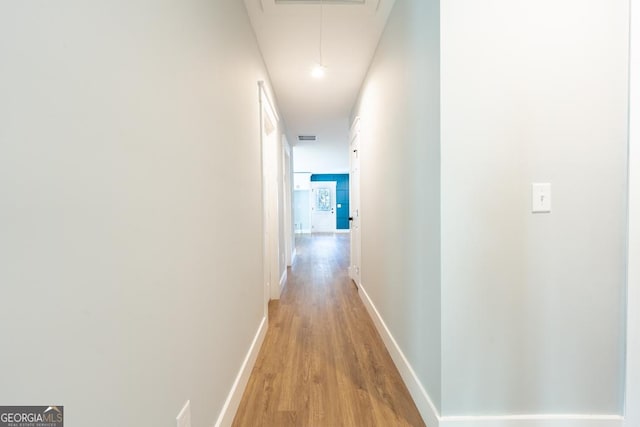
(289, 35)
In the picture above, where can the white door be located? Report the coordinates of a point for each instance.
(354, 203)
(323, 207)
(269, 141)
(287, 202)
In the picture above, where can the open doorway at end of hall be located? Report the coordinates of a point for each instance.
(321, 203)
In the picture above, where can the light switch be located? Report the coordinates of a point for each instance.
(541, 197)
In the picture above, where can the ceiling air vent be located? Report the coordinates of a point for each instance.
(306, 138)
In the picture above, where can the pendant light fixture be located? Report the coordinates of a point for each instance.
(319, 70)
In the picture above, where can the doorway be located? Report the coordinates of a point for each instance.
(270, 217)
(287, 196)
(323, 207)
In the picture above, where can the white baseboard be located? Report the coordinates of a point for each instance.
(550, 420)
(283, 280)
(431, 415)
(353, 276)
(293, 257)
(343, 231)
(420, 396)
(303, 231)
(230, 407)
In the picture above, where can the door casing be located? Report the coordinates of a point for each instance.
(354, 203)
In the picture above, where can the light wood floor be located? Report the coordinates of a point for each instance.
(322, 362)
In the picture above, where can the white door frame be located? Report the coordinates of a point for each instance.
(287, 172)
(269, 123)
(355, 256)
(632, 381)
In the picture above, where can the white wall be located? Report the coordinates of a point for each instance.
(533, 305)
(302, 211)
(301, 206)
(323, 156)
(400, 185)
(130, 209)
(500, 312)
(632, 410)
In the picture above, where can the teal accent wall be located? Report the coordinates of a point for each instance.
(342, 196)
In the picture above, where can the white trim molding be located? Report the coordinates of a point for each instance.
(294, 253)
(265, 95)
(283, 281)
(534, 420)
(420, 396)
(230, 407)
(431, 415)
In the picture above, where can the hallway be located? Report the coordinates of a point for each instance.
(322, 362)
(152, 154)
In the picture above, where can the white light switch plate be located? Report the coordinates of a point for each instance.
(184, 417)
(541, 197)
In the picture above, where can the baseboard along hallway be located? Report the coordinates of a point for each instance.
(322, 362)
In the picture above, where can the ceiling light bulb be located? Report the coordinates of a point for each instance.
(318, 71)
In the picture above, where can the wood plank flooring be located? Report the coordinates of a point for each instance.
(322, 362)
